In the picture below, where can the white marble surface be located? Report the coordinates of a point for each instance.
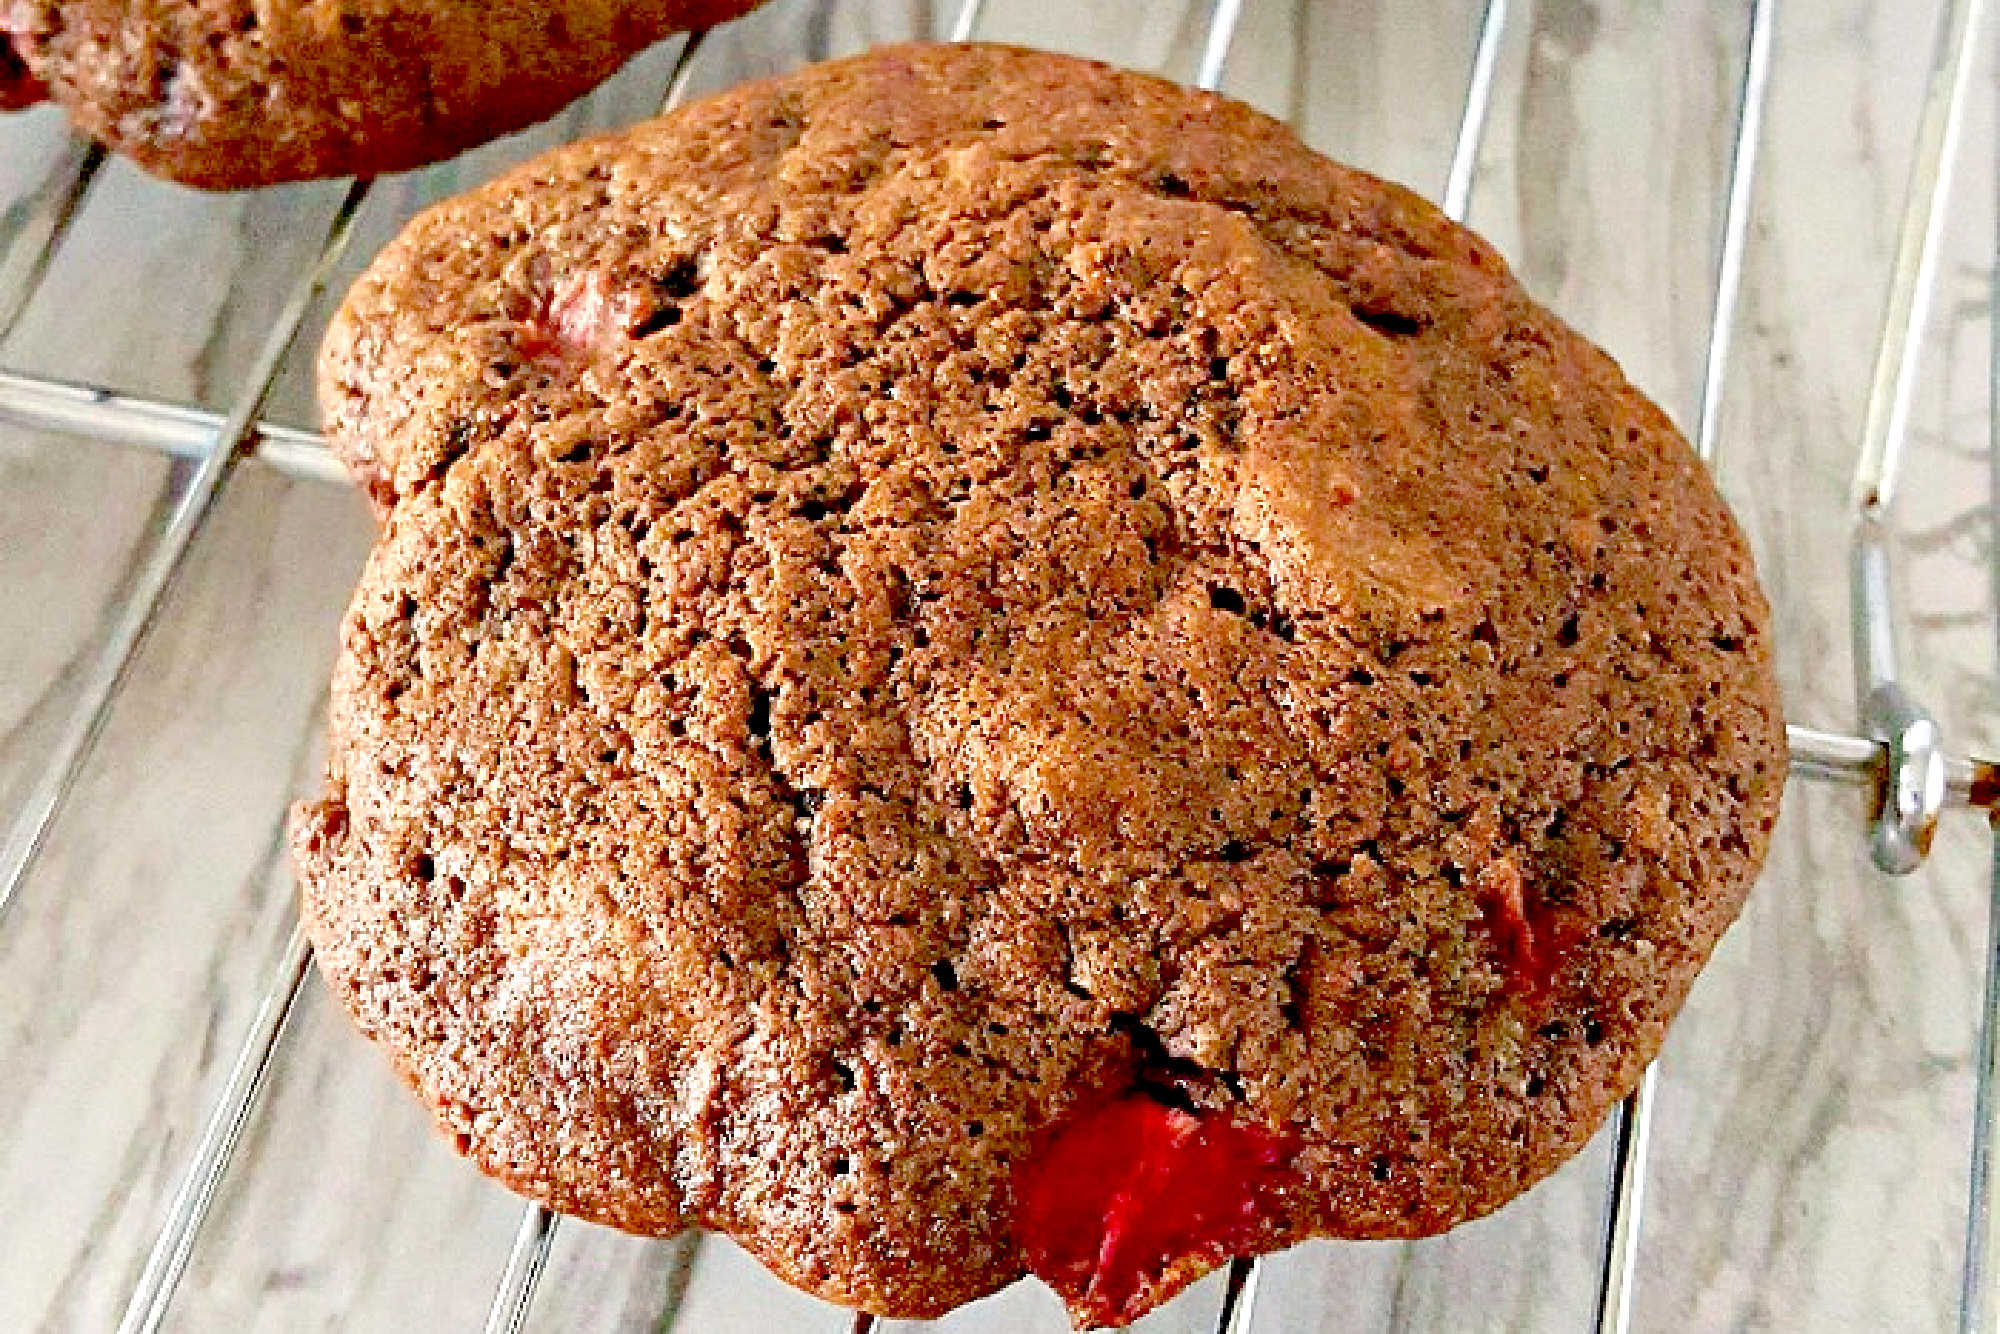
(1816, 1097)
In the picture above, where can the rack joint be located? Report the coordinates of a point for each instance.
(1912, 789)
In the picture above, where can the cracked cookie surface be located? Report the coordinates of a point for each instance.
(233, 93)
(934, 596)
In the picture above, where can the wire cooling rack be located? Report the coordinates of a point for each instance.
(1896, 754)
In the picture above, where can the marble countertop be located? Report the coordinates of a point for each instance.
(1815, 1099)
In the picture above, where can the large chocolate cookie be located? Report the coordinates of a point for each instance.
(232, 93)
(980, 663)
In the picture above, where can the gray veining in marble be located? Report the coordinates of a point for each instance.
(1815, 1099)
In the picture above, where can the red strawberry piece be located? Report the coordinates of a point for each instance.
(1132, 1198)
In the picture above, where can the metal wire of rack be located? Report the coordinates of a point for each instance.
(1896, 753)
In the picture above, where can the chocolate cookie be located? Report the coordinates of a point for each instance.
(232, 93)
(982, 664)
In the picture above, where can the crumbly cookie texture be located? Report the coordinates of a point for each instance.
(978, 662)
(233, 93)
